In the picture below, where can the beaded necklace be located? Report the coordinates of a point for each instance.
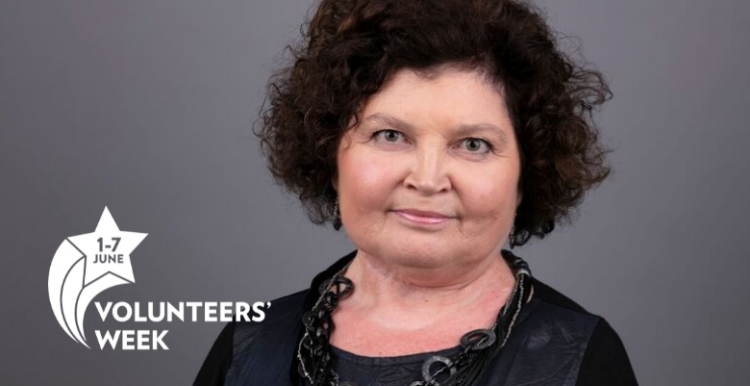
(461, 368)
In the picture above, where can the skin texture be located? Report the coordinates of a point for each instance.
(420, 288)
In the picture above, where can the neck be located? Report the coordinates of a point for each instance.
(403, 296)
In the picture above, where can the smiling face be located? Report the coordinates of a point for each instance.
(443, 145)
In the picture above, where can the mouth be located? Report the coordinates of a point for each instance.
(422, 217)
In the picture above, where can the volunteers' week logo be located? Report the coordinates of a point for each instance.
(84, 266)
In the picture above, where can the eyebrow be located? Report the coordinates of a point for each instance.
(463, 129)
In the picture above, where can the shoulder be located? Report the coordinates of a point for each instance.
(239, 342)
(253, 342)
(240, 355)
(553, 314)
(551, 296)
(565, 308)
(280, 318)
(606, 361)
(587, 344)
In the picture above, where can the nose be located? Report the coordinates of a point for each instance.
(428, 174)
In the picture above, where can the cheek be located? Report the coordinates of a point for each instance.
(489, 199)
(368, 180)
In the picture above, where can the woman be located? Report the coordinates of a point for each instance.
(434, 132)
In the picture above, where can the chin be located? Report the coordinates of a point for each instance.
(412, 248)
(416, 255)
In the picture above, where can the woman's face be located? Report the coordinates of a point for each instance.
(443, 145)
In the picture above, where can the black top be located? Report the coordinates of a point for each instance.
(554, 342)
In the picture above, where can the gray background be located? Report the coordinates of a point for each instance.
(145, 106)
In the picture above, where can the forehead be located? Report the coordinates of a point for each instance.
(447, 96)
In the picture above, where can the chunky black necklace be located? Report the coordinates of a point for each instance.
(461, 368)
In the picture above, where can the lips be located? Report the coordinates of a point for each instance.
(423, 213)
(422, 217)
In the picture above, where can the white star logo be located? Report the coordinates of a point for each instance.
(84, 266)
(107, 250)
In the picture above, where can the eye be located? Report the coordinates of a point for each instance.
(474, 145)
(387, 135)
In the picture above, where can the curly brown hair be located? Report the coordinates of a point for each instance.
(351, 47)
